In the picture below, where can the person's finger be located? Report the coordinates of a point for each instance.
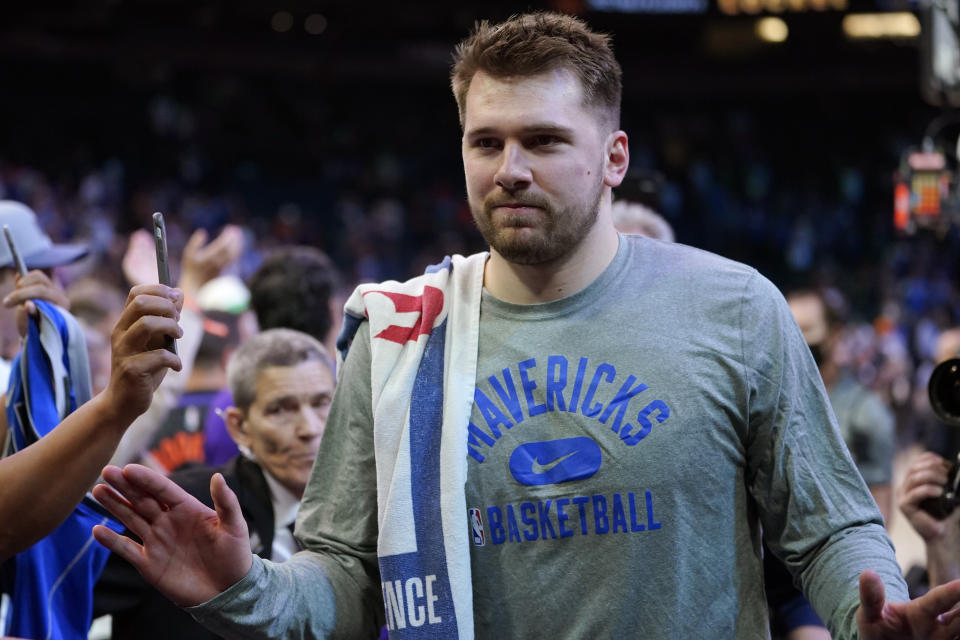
(933, 475)
(226, 247)
(949, 616)
(145, 305)
(154, 289)
(142, 503)
(145, 334)
(929, 463)
(34, 292)
(916, 495)
(195, 243)
(148, 363)
(116, 504)
(872, 596)
(226, 503)
(120, 545)
(160, 487)
(943, 599)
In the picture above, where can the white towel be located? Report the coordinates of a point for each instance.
(423, 336)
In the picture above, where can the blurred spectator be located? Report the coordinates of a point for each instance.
(866, 423)
(179, 440)
(635, 218)
(295, 287)
(38, 252)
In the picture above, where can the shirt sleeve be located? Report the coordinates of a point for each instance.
(331, 589)
(818, 516)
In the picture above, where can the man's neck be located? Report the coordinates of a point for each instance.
(532, 284)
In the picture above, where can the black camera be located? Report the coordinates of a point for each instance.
(944, 392)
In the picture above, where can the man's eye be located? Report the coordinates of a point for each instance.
(545, 140)
(486, 143)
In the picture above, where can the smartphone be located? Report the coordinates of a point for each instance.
(163, 266)
(17, 260)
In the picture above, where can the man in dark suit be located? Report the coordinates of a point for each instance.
(282, 383)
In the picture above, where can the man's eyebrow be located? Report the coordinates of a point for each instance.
(537, 127)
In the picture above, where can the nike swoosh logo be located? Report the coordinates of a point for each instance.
(543, 468)
(554, 461)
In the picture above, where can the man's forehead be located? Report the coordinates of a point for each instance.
(490, 96)
(309, 376)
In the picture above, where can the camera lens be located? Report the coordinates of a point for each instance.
(944, 391)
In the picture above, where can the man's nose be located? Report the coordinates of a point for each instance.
(514, 170)
(310, 423)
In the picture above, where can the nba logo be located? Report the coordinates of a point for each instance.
(476, 524)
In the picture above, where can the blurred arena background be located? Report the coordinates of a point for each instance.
(769, 131)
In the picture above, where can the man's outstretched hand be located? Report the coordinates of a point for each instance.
(935, 615)
(189, 552)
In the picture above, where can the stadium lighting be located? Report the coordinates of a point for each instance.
(771, 29)
(282, 21)
(881, 25)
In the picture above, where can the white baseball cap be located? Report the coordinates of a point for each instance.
(36, 248)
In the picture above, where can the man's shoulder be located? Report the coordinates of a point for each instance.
(693, 273)
(686, 258)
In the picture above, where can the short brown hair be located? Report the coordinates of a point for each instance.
(534, 43)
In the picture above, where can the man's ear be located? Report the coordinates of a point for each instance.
(616, 159)
(234, 419)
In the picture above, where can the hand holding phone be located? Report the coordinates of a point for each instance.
(163, 265)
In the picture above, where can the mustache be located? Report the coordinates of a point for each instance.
(527, 200)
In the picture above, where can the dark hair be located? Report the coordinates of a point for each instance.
(221, 334)
(534, 43)
(292, 289)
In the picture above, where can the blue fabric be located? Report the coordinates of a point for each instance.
(31, 406)
(52, 593)
(53, 585)
(798, 613)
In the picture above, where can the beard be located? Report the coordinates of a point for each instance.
(531, 239)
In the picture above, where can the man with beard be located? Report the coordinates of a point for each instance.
(578, 435)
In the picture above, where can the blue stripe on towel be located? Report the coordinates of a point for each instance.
(410, 574)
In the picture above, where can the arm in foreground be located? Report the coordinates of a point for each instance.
(45, 481)
(195, 555)
(332, 588)
(190, 553)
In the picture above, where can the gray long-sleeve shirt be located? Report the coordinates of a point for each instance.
(628, 443)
